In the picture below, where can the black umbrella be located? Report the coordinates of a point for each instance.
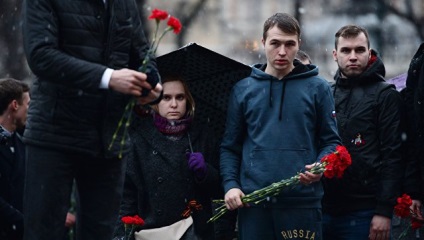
(209, 76)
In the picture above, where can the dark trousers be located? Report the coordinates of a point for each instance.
(48, 186)
(280, 223)
(351, 226)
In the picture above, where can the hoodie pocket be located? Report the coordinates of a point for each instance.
(266, 166)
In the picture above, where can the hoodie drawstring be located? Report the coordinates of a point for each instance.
(270, 93)
(282, 99)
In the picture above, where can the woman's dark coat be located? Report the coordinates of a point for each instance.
(159, 183)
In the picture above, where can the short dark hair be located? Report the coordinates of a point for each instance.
(284, 22)
(350, 31)
(11, 89)
(303, 56)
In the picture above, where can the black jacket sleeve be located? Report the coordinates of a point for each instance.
(45, 58)
(389, 132)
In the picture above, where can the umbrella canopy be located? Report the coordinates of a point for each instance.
(209, 76)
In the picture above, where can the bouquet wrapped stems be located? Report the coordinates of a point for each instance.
(330, 165)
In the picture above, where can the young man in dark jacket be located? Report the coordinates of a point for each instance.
(368, 117)
(84, 55)
(279, 121)
(14, 100)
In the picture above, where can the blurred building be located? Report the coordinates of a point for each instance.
(234, 28)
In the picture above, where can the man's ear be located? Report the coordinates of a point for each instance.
(335, 55)
(14, 105)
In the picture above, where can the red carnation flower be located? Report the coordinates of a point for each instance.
(336, 162)
(138, 220)
(159, 14)
(127, 220)
(175, 24)
(130, 224)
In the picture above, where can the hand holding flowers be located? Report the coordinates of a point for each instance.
(331, 165)
(404, 209)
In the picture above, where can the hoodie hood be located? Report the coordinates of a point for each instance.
(375, 72)
(300, 71)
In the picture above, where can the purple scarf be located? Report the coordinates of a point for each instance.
(171, 127)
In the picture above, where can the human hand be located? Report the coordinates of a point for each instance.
(308, 177)
(197, 164)
(153, 78)
(380, 228)
(70, 220)
(153, 95)
(128, 81)
(416, 208)
(233, 199)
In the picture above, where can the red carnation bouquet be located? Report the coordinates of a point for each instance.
(173, 24)
(403, 210)
(130, 224)
(331, 165)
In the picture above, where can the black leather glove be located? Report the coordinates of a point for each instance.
(153, 78)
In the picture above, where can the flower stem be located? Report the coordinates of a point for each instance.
(127, 125)
(265, 193)
(121, 121)
(155, 48)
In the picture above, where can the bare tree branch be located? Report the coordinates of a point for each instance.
(188, 17)
(416, 21)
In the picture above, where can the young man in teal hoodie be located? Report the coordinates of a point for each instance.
(280, 121)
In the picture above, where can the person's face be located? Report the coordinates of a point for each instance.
(173, 105)
(21, 111)
(352, 55)
(280, 50)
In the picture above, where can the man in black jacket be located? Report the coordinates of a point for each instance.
(84, 55)
(14, 100)
(360, 204)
